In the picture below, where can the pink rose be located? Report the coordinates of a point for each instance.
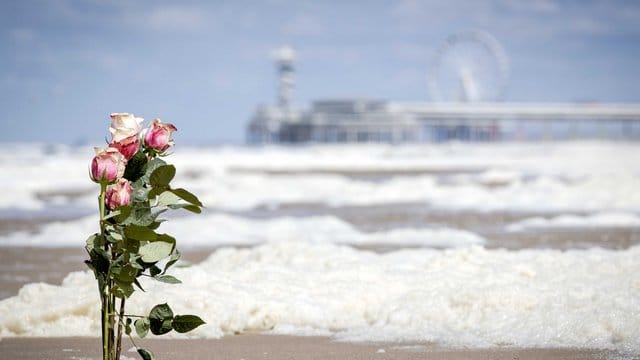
(158, 135)
(118, 194)
(124, 125)
(127, 146)
(108, 164)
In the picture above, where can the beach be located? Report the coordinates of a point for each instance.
(444, 251)
(274, 347)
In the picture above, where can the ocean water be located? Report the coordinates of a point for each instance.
(285, 258)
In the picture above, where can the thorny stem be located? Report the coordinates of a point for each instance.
(112, 318)
(104, 292)
(119, 343)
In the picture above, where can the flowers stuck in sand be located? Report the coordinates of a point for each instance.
(134, 190)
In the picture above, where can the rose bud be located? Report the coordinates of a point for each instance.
(127, 146)
(124, 125)
(158, 135)
(118, 194)
(108, 164)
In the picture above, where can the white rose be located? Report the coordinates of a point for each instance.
(124, 125)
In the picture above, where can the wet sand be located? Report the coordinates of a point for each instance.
(23, 265)
(265, 347)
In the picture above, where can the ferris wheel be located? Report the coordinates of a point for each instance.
(469, 67)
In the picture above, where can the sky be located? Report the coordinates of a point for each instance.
(205, 65)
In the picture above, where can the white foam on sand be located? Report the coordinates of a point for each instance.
(220, 229)
(29, 171)
(467, 296)
(594, 176)
(568, 221)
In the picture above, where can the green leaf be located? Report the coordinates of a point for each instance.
(161, 312)
(123, 213)
(135, 166)
(151, 167)
(160, 319)
(168, 198)
(132, 245)
(112, 214)
(140, 193)
(168, 279)
(138, 284)
(172, 260)
(187, 196)
(194, 209)
(166, 238)
(127, 327)
(123, 289)
(186, 323)
(189, 207)
(145, 354)
(93, 241)
(155, 251)
(154, 270)
(115, 236)
(153, 193)
(141, 233)
(142, 326)
(141, 215)
(100, 260)
(156, 224)
(126, 274)
(162, 176)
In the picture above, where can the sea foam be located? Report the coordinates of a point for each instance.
(567, 221)
(591, 176)
(463, 297)
(212, 230)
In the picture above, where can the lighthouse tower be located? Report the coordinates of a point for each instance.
(285, 58)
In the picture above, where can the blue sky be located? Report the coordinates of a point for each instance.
(205, 66)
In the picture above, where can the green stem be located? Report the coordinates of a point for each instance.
(119, 338)
(102, 205)
(112, 327)
(104, 292)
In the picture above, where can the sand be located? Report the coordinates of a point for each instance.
(23, 265)
(264, 347)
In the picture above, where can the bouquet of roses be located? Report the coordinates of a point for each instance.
(134, 190)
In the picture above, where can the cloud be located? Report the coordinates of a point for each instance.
(540, 21)
(532, 7)
(23, 35)
(174, 18)
(332, 54)
(303, 25)
(112, 62)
